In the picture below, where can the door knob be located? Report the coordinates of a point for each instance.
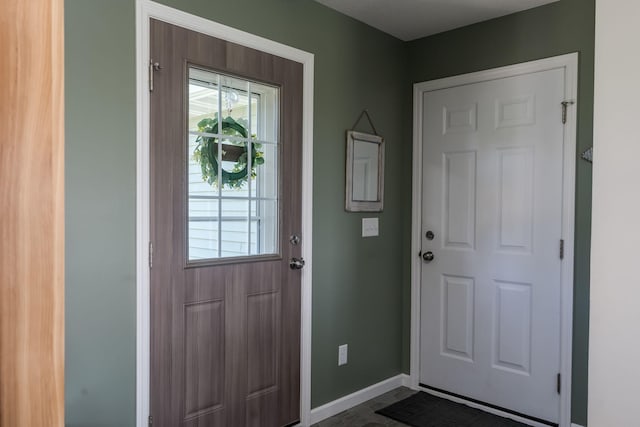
(296, 263)
(428, 256)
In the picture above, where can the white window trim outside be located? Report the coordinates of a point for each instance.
(569, 63)
(145, 10)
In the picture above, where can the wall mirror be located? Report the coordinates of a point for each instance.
(365, 172)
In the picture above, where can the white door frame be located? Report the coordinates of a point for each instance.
(570, 63)
(145, 10)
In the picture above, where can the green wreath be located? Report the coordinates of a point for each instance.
(206, 153)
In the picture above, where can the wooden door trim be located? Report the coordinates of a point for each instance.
(569, 63)
(146, 10)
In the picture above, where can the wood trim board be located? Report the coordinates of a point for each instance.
(32, 219)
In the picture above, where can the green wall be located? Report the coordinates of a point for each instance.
(562, 27)
(360, 286)
(100, 213)
(357, 283)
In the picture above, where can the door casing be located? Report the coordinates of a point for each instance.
(570, 63)
(145, 10)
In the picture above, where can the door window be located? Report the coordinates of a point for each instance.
(232, 155)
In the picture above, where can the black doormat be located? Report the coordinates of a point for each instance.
(425, 410)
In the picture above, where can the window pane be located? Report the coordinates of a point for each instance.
(235, 228)
(203, 240)
(232, 167)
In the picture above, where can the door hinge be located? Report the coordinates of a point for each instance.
(558, 383)
(150, 420)
(565, 104)
(561, 248)
(150, 254)
(153, 67)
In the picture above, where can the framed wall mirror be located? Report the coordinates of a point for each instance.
(365, 172)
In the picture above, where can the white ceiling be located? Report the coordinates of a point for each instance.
(412, 19)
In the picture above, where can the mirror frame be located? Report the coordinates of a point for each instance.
(361, 205)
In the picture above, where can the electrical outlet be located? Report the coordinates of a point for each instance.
(343, 350)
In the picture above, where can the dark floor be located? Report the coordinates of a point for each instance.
(364, 415)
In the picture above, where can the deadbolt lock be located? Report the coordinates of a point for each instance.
(294, 239)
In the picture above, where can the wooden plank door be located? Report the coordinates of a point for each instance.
(225, 304)
(490, 309)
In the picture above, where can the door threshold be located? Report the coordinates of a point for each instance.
(487, 407)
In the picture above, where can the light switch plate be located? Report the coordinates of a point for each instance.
(343, 351)
(369, 227)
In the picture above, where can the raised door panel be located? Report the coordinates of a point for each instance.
(459, 204)
(515, 199)
(262, 342)
(204, 363)
(515, 111)
(512, 349)
(459, 119)
(457, 312)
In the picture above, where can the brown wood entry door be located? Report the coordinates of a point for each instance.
(225, 304)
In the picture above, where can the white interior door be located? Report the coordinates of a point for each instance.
(492, 197)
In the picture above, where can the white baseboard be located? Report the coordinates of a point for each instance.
(347, 402)
(406, 380)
